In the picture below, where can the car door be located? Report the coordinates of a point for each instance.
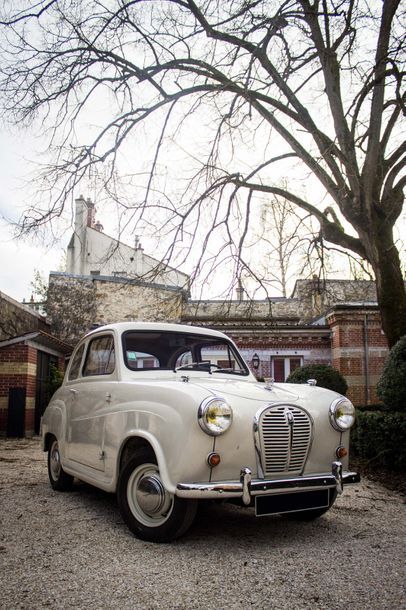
(89, 402)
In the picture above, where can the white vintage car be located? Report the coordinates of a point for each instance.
(166, 415)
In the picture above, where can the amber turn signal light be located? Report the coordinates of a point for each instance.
(213, 459)
(341, 452)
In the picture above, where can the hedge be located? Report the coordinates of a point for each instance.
(326, 377)
(391, 387)
(379, 436)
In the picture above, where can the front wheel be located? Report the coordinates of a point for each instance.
(59, 479)
(149, 511)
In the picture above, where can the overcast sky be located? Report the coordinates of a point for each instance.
(19, 259)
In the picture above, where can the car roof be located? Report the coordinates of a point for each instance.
(120, 327)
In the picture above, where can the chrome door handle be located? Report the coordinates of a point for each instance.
(72, 391)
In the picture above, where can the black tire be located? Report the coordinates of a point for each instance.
(59, 479)
(149, 511)
(311, 515)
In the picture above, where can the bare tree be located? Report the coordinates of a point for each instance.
(315, 86)
(290, 245)
(39, 286)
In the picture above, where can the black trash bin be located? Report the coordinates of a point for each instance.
(16, 412)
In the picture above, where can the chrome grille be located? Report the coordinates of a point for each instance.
(285, 435)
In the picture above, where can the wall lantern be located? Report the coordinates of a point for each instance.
(255, 361)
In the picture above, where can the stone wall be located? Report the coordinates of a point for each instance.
(76, 304)
(71, 306)
(310, 300)
(316, 296)
(17, 319)
(242, 312)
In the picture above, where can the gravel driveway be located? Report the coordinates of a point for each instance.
(72, 551)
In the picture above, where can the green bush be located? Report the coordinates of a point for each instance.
(391, 387)
(374, 407)
(380, 437)
(54, 381)
(326, 377)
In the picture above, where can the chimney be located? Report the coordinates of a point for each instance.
(137, 243)
(240, 291)
(91, 211)
(80, 214)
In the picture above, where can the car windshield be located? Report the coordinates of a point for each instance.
(179, 351)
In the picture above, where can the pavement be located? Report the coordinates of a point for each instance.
(72, 551)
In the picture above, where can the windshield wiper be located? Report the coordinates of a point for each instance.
(207, 366)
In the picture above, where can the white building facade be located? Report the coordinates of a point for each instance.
(93, 253)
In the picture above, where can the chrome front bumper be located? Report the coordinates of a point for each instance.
(247, 488)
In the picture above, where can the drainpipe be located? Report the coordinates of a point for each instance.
(366, 361)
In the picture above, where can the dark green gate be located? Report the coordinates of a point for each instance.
(45, 362)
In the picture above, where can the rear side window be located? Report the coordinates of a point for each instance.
(75, 366)
(100, 358)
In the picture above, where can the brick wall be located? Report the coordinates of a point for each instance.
(311, 347)
(18, 368)
(359, 349)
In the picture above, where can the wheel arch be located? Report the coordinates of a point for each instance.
(144, 440)
(53, 423)
(131, 444)
(47, 439)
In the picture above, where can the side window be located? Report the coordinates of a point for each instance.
(75, 366)
(218, 354)
(100, 358)
(184, 359)
(141, 360)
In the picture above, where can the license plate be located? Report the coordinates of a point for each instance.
(292, 501)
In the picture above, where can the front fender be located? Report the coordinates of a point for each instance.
(144, 437)
(180, 446)
(54, 422)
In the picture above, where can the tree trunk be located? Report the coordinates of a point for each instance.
(390, 285)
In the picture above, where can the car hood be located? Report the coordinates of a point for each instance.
(243, 389)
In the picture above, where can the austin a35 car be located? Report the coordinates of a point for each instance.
(167, 416)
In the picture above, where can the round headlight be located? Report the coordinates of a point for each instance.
(215, 416)
(342, 414)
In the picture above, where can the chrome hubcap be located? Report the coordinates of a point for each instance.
(147, 498)
(150, 494)
(55, 461)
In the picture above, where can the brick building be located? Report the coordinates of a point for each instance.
(334, 323)
(358, 348)
(279, 335)
(27, 353)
